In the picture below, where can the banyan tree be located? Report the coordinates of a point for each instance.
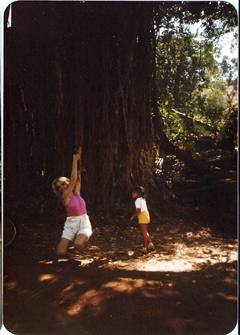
(83, 73)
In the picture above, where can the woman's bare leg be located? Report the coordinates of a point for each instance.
(62, 248)
(80, 240)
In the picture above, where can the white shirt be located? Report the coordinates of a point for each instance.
(141, 203)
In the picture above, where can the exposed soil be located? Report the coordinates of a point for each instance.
(187, 286)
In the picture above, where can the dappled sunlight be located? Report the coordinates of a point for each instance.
(50, 278)
(125, 285)
(230, 281)
(178, 248)
(86, 262)
(11, 285)
(45, 262)
(190, 254)
(73, 285)
(91, 298)
(96, 300)
(188, 278)
(223, 295)
(165, 287)
(164, 266)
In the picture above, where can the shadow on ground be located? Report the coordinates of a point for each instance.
(178, 289)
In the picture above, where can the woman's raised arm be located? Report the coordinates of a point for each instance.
(73, 179)
(78, 182)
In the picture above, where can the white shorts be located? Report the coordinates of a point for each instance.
(76, 225)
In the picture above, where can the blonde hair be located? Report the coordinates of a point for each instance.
(55, 190)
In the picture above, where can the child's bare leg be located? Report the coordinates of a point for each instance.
(150, 244)
(143, 228)
(149, 238)
(146, 238)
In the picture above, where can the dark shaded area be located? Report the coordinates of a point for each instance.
(80, 74)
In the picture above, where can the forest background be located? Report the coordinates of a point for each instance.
(130, 88)
(151, 104)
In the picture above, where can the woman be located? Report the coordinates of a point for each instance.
(77, 228)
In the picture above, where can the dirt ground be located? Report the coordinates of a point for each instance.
(187, 285)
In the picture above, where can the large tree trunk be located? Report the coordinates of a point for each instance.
(83, 73)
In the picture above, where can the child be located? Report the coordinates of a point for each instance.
(143, 217)
(77, 228)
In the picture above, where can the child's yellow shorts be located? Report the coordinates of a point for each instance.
(144, 217)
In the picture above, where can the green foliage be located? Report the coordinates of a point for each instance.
(206, 106)
(213, 102)
(179, 132)
(227, 130)
(229, 69)
(215, 16)
(190, 80)
(183, 63)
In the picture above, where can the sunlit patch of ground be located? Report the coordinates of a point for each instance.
(176, 252)
(177, 249)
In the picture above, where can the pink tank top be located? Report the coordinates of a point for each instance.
(76, 205)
